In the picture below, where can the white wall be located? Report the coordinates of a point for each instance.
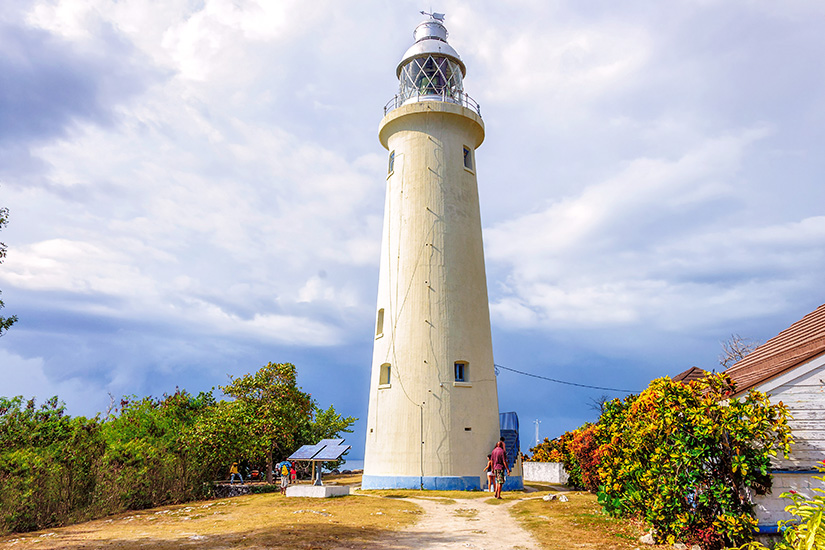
(803, 391)
(770, 508)
(433, 290)
(546, 472)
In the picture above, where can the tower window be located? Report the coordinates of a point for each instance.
(468, 158)
(461, 374)
(379, 324)
(391, 165)
(384, 378)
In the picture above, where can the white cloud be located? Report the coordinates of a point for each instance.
(651, 246)
(206, 193)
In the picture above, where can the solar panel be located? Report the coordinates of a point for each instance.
(331, 452)
(330, 442)
(307, 452)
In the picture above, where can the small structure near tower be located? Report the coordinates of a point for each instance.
(433, 409)
(326, 450)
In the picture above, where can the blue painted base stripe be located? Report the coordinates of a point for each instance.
(513, 483)
(433, 483)
(436, 483)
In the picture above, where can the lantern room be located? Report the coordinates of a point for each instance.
(431, 69)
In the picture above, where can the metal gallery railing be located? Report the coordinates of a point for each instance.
(459, 98)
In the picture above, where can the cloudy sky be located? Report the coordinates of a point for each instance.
(196, 188)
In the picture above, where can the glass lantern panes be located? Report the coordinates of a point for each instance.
(431, 76)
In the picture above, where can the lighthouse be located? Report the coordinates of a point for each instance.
(433, 403)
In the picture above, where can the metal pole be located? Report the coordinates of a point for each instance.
(421, 480)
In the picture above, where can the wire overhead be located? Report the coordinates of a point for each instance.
(562, 381)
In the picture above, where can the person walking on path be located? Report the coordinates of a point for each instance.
(499, 460)
(490, 474)
(284, 477)
(233, 471)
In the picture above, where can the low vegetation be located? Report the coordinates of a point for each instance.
(686, 458)
(56, 469)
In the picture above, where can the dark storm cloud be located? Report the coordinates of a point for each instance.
(48, 82)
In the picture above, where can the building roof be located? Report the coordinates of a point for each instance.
(690, 375)
(797, 344)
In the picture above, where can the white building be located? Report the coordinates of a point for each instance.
(790, 368)
(433, 406)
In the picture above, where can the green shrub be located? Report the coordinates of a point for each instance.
(56, 470)
(684, 457)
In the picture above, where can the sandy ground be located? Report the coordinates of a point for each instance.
(474, 524)
(245, 522)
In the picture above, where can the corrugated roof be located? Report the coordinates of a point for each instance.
(693, 373)
(795, 345)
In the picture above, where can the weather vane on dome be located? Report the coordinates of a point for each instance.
(438, 16)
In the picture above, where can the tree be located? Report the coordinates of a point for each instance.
(278, 417)
(598, 404)
(268, 418)
(735, 349)
(273, 410)
(5, 322)
(327, 424)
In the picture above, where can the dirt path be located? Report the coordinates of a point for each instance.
(270, 521)
(451, 525)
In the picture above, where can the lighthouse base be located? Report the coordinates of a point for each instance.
(437, 483)
(430, 483)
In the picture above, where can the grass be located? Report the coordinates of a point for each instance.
(555, 524)
(275, 522)
(253, 521)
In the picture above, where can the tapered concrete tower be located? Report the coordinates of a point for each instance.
(433, 409)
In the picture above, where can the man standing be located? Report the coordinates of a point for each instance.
(499, 460)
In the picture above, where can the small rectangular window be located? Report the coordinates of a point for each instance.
(386, 372)
(468, 158)
(379, 323)
(460, 371)
(391, 165)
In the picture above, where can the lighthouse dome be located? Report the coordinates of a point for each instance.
(431, 69)
(431, 39)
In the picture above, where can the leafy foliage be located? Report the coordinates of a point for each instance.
(147, 461)
(274, 410)
(687, 458)
(48, 462)
(5, 322)
(268, 420)
(55, 469)
(684, 457)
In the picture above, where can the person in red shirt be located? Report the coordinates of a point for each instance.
(499, 460)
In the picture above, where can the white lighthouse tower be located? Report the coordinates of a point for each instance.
(433, 408)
